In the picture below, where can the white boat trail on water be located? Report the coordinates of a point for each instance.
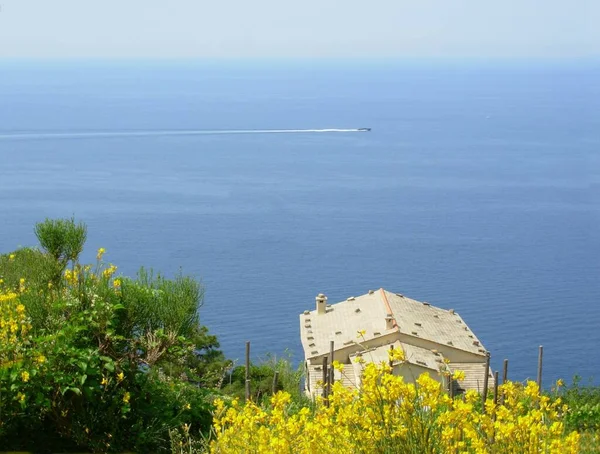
(191, 132)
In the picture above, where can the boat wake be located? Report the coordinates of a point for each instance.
(191, 132)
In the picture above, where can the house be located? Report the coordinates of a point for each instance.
(434, 340)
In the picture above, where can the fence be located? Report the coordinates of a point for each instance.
(328, 376)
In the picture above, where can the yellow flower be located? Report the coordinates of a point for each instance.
(11, 257)
(126, 397)
(72, 276)
(338, 366)
(104, 381)
(22, 285)
(120, 376)
(359, 360)
(396, 354)
(87, 430)
(41, 359)
(458, 375)
(384, 412)
(361, 333)
(25, 376)
(108, 272)
(20, 309)
(49, 285)
(117, 283)
(187, 407)
(21, 397)
(560, 383)
(101, 252)
(532, 390)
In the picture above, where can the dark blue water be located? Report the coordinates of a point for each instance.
(477, 189)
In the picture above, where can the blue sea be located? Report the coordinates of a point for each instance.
(477, 189)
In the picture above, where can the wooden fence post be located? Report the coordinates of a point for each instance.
(496, 378)
(504, 379)
(539, 371)
(247, 371)
(330, 381)
(275, 381)
(325, 378)
(486, 379)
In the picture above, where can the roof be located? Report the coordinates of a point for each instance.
(368, 312)
(423, 357)
(412, 354)
(341, 324)
(421, 319)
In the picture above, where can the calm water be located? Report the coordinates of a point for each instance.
(477, 189)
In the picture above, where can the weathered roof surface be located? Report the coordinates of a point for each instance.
(413, 355)
(474, 376)
(368, 312)
(341, 323)
(423, 357)
(445, 327)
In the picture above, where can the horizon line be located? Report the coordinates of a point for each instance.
(320, 61)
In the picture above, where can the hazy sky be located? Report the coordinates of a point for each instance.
(307, 28)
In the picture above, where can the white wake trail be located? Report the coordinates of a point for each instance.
(192, 132)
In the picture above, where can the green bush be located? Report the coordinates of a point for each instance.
(95, 362)
(584, 405)
(62, 239)
(262, 375)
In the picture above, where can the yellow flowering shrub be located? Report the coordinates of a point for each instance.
(389, 415)
(14, 328)
(82, 350)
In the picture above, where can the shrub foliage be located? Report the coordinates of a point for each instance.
(94, 361)
(388, 415)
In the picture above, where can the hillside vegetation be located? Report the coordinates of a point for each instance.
(94, 361)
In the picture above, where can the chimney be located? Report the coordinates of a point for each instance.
(389, 321)
(321, 303)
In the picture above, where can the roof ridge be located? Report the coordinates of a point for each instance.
(388, 308)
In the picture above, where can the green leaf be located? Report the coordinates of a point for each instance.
(71, 388)
(109, 367)
(82, 379)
